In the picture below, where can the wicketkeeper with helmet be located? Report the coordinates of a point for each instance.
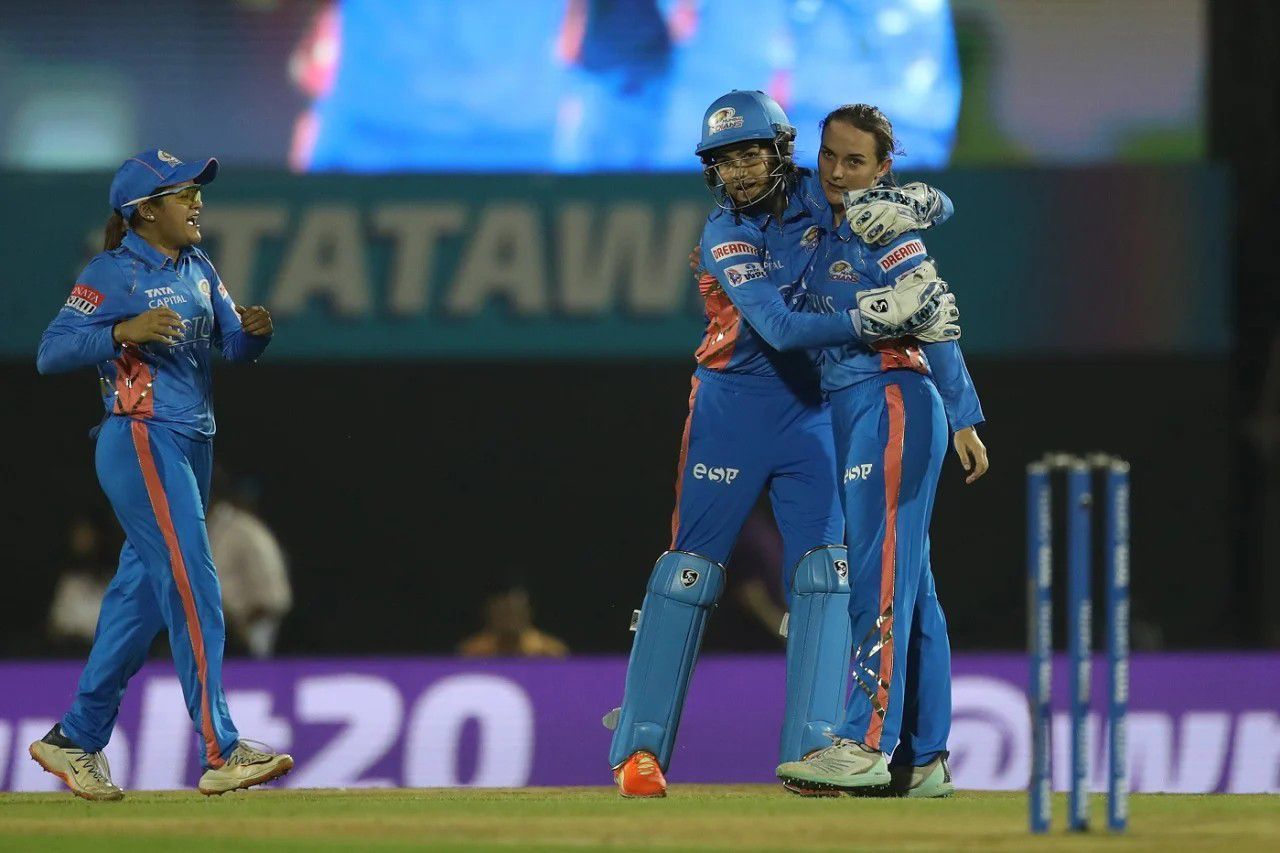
(757, 421)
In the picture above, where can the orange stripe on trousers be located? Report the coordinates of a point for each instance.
(684, 456)
(160, 505)
(888, 555)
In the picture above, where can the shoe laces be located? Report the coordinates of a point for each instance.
(646, 765)
(95, 764)
(246, 752)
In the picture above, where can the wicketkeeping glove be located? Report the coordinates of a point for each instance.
(880, 215)
(918, 305)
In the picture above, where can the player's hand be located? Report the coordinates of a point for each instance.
(158, 325)
(255, 320)
(972, 453)
(937, 319)
(695, 261)
(880, 215)
(917, 305)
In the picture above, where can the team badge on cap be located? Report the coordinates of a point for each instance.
(166, 157)
(725, 118)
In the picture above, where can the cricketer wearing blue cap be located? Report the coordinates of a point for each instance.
(757, 420)
(147, 312)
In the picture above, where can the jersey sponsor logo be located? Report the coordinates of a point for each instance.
(901, 254)
(857, 472)
(84, 299)
(688, 577)
(158, 297)
(842, 271)
(166, 157)
(733, 248)
(809, 239)
(715, 475)
(738, 273)
(725, 118)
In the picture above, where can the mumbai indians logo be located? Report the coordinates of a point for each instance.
(809, 239)
(688, 577)
(166, 157)
(842, 271)
(204, 287)
(725, 118)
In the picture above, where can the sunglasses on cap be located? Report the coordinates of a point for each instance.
(187, 195)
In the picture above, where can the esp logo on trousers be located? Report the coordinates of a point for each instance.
(857, 472)
(715, 475)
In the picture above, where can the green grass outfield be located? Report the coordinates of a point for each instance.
(701, 817)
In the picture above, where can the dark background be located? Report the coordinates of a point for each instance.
(403, 493)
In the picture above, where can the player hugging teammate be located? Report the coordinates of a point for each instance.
(757, 408)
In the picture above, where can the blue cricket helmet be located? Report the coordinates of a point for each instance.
(740, 116)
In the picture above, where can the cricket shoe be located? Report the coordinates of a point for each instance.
(933, 780)
(846, 765)
(244, 768)
(87, 774)
(805, 790)
(801, 790)
(640, 776)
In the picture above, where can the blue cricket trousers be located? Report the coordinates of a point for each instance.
(745, 434)
(891, 439)
(158, 483)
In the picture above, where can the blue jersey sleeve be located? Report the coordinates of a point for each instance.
(80, 334)
(734, 253)
(944, 209)
(228, 335)
(946, 361)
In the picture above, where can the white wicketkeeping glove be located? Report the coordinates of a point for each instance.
(880, 215)
(917, 305)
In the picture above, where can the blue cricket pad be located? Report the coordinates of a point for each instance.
(682, 590)
(819, 640)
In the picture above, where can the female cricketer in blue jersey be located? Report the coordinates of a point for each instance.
(756, 421)
(894, 403)
(147, 311)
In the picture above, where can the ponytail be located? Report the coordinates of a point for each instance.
(113, 234)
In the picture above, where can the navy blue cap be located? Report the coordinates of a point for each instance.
(143, 174)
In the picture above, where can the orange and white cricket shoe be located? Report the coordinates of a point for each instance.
(640, 776)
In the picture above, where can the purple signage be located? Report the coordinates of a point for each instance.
(1197, 722)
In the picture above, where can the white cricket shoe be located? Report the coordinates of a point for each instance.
(846, 765)
(929, 781)
(244, 768)
(87, 774)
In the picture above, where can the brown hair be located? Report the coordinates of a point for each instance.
(113, 233)
(870, 120)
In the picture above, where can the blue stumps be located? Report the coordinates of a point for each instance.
(1079, 475)
(1117, 562)
(1039, 638)
(1079, 636)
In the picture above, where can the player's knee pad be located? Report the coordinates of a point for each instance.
(682, 590)
(818, 648)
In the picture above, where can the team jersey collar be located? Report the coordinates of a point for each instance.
(794, 210)
(152, 256)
